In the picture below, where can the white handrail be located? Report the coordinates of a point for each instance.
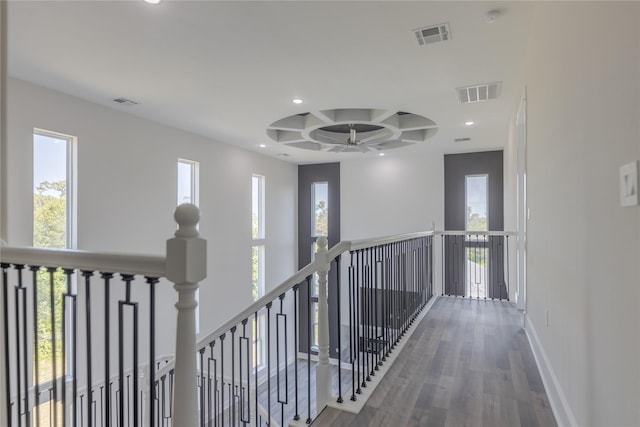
(475, 233)
(146, 265)
(296, 278)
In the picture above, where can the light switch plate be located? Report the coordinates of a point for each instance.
(629, 184)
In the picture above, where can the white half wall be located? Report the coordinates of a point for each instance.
(583, 275)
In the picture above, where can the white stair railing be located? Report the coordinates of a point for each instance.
(91, 286)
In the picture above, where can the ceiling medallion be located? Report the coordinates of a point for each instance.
(352, 130)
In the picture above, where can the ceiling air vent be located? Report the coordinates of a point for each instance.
(479, 93)
(125, 101)
(436, 33)
(462, 139)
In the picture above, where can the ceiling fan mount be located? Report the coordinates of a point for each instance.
(352, 130)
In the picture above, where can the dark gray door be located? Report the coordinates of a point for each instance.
(318, 214)
(474, 259)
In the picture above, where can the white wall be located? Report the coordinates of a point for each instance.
(583, 101)
(127, 195)
(391, 195)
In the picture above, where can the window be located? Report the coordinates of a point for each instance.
(476, 196)
(320, 209)
(258, 237)
(54, 190)
(476, 202)
(257, 266)
(188, 192)
(319, 227)
(53, 227)
(188, 172)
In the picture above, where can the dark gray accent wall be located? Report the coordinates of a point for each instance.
(456, 167)
(307, 175)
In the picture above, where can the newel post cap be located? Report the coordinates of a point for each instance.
(186, 252)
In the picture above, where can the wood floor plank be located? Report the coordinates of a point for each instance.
(468, 364)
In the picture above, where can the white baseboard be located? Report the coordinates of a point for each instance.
(557, 399)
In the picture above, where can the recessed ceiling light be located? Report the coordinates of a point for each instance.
(262, 145)
(469, 123)
(380, 154)
(152, 1)
(297, 100)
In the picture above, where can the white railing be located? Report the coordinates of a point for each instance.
(113, 400)
(234, 390)
(477, 264)
(386, 281)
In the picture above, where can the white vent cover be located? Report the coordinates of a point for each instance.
(477, 93)
(436, 33)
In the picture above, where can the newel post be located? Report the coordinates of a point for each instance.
(186, 266)
(323, 370)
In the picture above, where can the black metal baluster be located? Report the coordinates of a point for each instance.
(296, 416)
(128, 278)
(221, 402)
(255, 352)
(7, 366)
(369, 299)
(376, 291)
(232, 406)
(245, 414)
(506, 276)
(268, 306)
(364, 319)
(211, 405)
(87, 306)
(202, 386)
(339, 332)
(384, 293)
(361, 328)
(106, 277)
(351, 330)
(281, 318)
(152, 281)
(20, 289)
(102, 408)
(51, 271)
(356, 320)
(74, 342)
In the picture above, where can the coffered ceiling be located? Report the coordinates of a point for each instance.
(230, 70)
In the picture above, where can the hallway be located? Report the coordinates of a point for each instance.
(467, 364)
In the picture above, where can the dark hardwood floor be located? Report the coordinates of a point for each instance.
(467, 364)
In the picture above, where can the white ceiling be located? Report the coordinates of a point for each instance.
(227, 70)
